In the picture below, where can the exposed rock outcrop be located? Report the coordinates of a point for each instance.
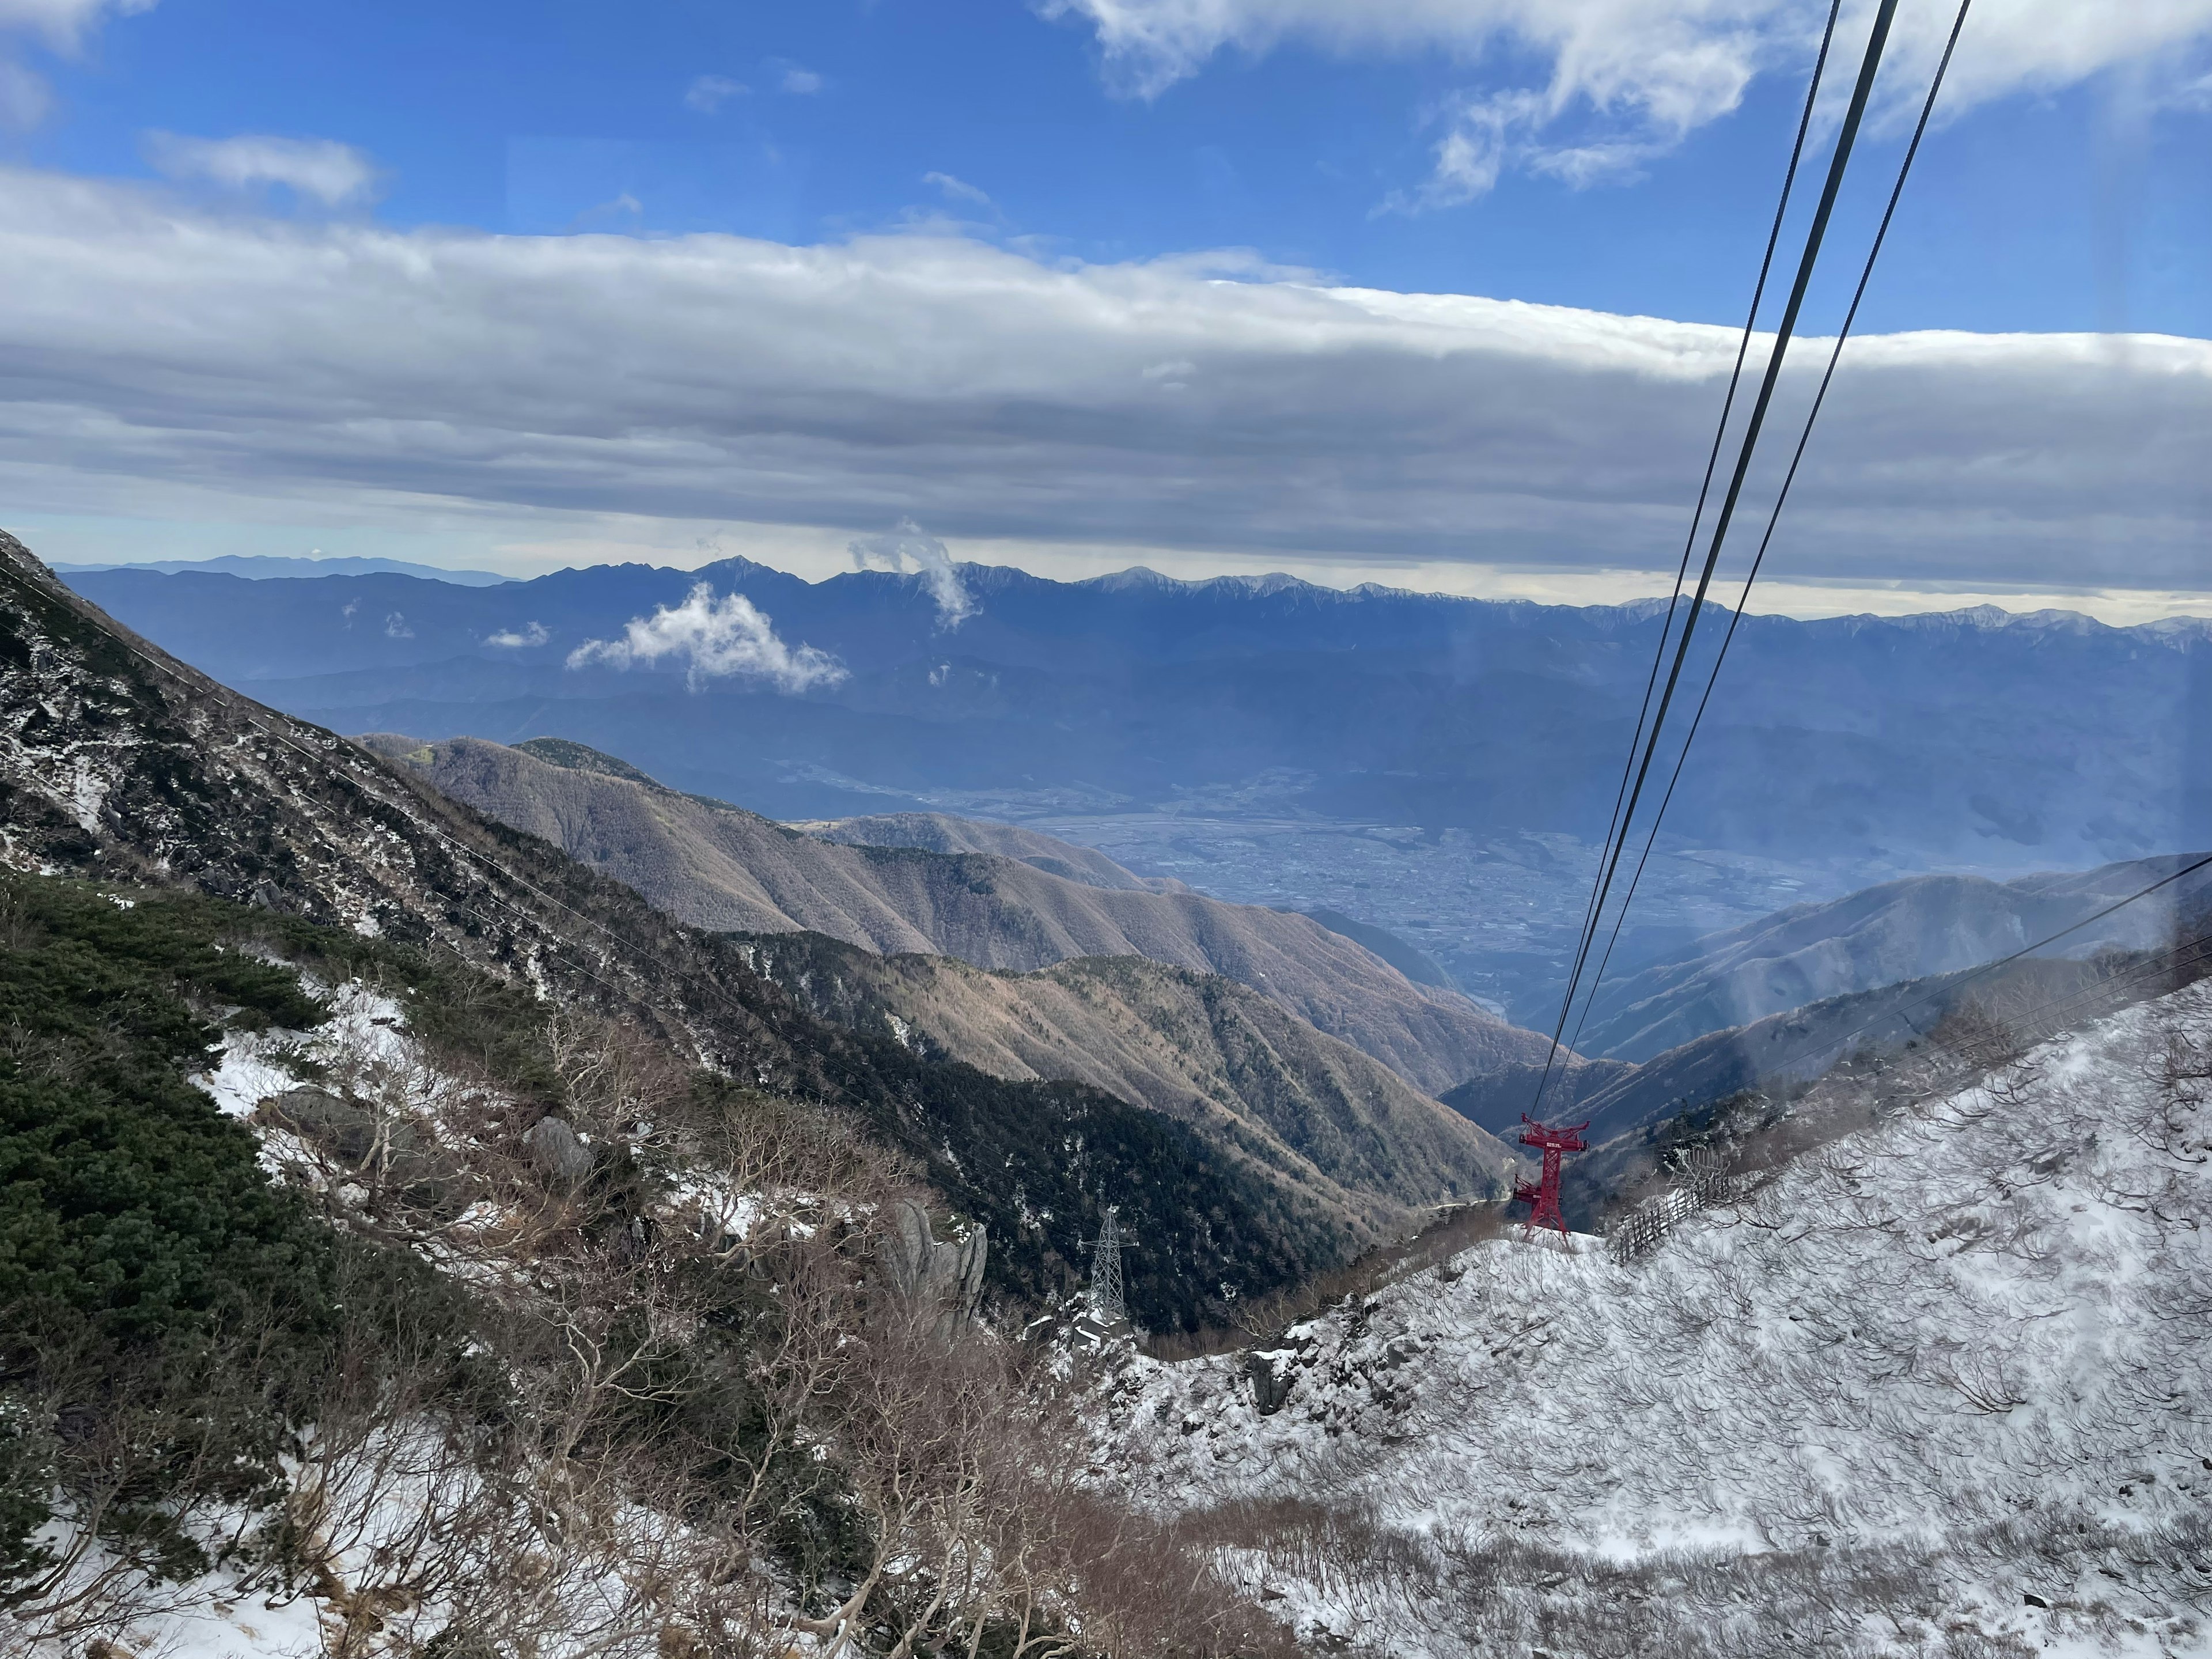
(928, 1273)
(555, 1152)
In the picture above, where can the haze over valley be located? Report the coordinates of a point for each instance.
(1432, 765)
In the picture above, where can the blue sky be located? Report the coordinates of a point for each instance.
(2045, 210)
(2068, 191)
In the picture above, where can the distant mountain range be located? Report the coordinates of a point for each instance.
(720, 867)
(264, 567)
(1975, 739)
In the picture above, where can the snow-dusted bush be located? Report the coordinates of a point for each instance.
(1954, 1361)
(445, 1321)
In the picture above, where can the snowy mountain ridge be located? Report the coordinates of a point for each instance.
(1940, 1387)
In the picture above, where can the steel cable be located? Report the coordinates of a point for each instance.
(1866, 274)
(1712, 461)
(1877, 41)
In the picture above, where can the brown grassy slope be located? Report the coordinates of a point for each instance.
(720, 867)
(1194, 1046)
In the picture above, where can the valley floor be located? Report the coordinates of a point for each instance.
(1499, 911)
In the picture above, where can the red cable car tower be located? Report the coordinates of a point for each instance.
(1543, 1198)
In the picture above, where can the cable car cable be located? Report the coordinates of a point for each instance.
(1877, 39)
(1773, 518)
(1613, 826)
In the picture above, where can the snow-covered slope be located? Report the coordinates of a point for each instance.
(356, 1552)
(1940, 1387)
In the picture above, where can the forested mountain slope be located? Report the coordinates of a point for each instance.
(116, 759)
(719, 867)
(1193, 1046)
(357, 1301)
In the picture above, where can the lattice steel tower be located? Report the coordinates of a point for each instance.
(1107, 1301)
(1542, 1196)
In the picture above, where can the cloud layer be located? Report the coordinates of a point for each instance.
(153, 356)
(330, 173)
(62, 26)
(1645, 72)
(715, 639)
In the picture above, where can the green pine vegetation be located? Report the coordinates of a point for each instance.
(166, 1310)
(394, 1355)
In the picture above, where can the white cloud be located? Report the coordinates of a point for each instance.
(1645, 72)
(804, 82)
(957, 190)
(719, 639)
(1618, 160)
(332, 172)
(1487, 136)
(907, 544)
(25, 98)
(1483, 136)
(396, 628)
(162, 361)
(610, 214)
(65, 23)
(513, 639)
(708, 93)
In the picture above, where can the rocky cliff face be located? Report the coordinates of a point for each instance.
(936, 1277)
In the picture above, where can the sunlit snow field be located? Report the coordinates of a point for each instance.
(1938, 1376)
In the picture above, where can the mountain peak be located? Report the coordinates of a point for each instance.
(581, 757)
